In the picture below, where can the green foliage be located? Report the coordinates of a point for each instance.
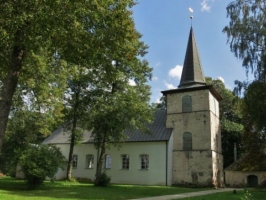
(246, 33)
(231, 126)
(103, 180)
(40, 161)
(41, 40)
(231, 121)
(247, 196)
(24, 127)
(161, 105)
(254, 107)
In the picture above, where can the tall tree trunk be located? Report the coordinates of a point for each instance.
(71, 150)
(73, 134)
(100, 161)
(9, 88)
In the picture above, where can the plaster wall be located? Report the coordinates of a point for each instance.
(239, 179)
(155, 175)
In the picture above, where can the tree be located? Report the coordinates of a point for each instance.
(40, 161)
(101, 97)
(115, 105)
(24, 128)
(254, 113)
(115, 112)
(246, 35)
(161, 105)
(30, 121)
(76, 108)
(231, 121)
(35, 33)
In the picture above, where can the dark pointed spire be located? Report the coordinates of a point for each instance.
(192, 74)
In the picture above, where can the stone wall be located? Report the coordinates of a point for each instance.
(240, 179)
(203, 164)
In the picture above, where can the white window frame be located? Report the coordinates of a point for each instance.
(89, 161)
(144, 161)
(74, 161)
(108, 161)
(125, 161)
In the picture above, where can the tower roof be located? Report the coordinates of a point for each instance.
(192, 74)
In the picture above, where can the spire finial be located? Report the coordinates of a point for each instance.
(191, 14)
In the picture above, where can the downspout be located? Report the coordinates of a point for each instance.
(166, 164)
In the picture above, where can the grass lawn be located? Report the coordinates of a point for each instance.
(12, 189)
(257, 194)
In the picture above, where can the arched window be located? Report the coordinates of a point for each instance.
(186, 104)
(187, 141)
(89, 161)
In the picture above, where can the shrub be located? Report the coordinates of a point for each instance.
(247, 196)
(104, 180)
(40, 161)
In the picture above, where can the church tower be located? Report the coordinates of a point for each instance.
(193, 113)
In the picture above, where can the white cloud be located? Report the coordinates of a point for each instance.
(221, 79)
(157, 64)
(205, 5)
(176, 72)
(131, 82)
(169, 85)
(158, 100)
(155, 78)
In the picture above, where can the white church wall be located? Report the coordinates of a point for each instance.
(154, 175)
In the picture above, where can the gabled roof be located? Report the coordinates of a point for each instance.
(192, 74)
(158, 130)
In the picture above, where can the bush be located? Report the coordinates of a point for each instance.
(247, 196)
(103, 180)
(40, 161)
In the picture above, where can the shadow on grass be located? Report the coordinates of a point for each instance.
(69, 190)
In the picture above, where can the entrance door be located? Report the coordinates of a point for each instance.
(252, 181)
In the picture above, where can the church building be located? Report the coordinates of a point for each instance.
(184, 147)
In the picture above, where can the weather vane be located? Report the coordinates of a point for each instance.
(191, 12)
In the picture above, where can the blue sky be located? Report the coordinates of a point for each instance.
(165, 26)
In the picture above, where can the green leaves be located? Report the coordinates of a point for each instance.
(40, 161)
(246, 32)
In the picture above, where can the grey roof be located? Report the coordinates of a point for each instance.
(62, 136)
(192, 74)
(158, 130)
